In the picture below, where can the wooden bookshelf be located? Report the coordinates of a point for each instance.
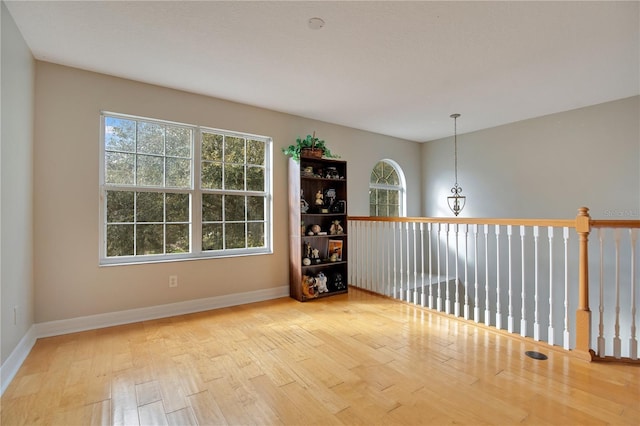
(308, 179)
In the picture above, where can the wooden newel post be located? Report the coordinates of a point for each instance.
(583, 314)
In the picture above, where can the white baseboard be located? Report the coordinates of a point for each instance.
(92, 322)
(12, 364)
(10, 367)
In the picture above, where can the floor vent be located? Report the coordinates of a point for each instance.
(535, 355)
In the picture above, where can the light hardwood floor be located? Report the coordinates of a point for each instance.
(354, 359)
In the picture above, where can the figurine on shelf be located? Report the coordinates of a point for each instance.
(319, 198)
(321, 283)
(315, 229)
(304, 206)
(337, 283)
(315, 255)
(336, 228)
(330, 197)
(306, 259)
(332, 173)
(309, 288)
(338, 207)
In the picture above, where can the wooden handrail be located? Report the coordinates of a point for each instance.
(615, 223)
(569, 223)
(560, 223)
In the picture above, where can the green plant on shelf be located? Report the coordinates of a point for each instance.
(311, 142)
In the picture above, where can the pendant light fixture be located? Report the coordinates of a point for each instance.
(456, 201)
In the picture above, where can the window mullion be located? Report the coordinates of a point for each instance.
(164, 222)
(196, 193)
(135, 154)
(135, 223)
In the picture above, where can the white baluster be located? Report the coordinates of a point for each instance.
(407, 291)
(375, 256)
(550, 331)
(351, 276)
(388, 230)
(601, 339)
(358, 251)
(447, 304)
(359, 236)
(487, 310)
(395, 258)
(498, 309)
(416, 298)
(567, 339)
(408, 297)
(617, 343)
(380, 259)
(510, 315)
(457, 301)
(366, 239)
(466, 271)
(376, 250)
(439, 299)
(523, 313)
(353, 252)
(362, 261)
(363, 253)
(367, 254)
(536, 323)
(371, 260)
(476, 308)
(373, 252)
(422, 298)
(430, 269)
(400, 290)
(633, 343)
(401, 261)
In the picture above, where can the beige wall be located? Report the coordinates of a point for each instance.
(69, 282)
(16, 201)
(545, 167)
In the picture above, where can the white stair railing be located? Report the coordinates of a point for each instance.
(473, 269)
(460, 267)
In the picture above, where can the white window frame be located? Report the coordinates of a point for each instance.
(195, 191)
(402, 188)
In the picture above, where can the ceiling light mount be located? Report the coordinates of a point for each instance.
(315, 23)
(456, 201)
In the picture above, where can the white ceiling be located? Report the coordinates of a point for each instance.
(395, 68)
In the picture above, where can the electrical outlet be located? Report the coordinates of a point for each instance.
(173, 281)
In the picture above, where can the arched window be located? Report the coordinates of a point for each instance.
(386, 190)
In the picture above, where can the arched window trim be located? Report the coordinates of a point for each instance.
(401, 187)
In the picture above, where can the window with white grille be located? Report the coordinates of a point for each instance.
(178, 191)
(386, 190)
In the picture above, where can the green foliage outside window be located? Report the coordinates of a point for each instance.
(385, 191)
(149, 188)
